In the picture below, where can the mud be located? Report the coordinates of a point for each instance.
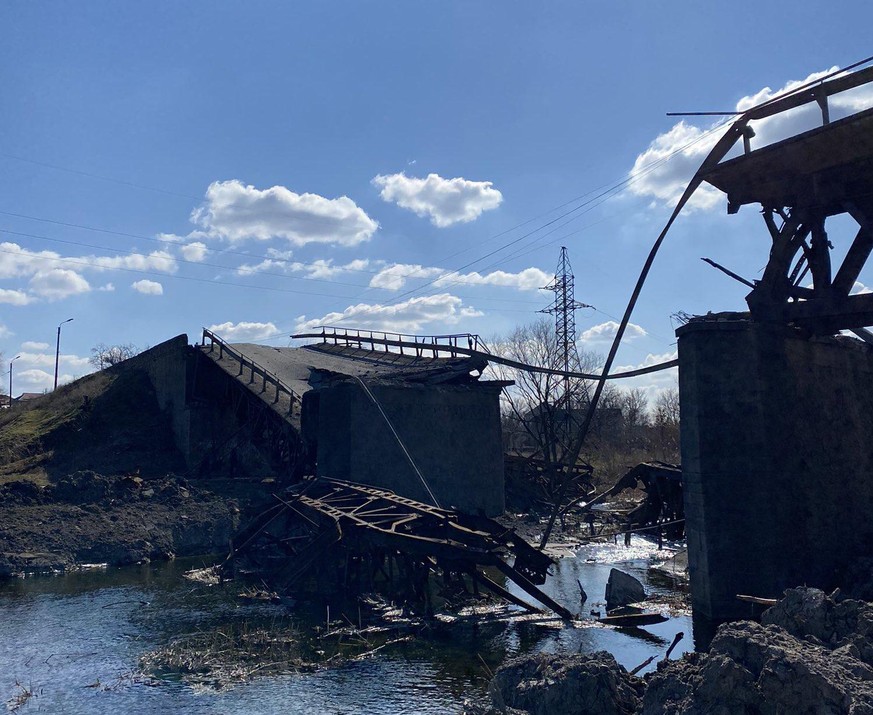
(548, 684)
(812, 653)
(88, 518)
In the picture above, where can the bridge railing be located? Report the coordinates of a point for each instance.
(453, 344)
(257, 371)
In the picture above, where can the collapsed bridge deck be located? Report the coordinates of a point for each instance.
(327, 516)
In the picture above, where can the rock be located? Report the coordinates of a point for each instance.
(81, 487)
(549, 684)
(754, 669)
(622, 589)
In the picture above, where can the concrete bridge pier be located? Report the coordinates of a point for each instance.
(777, 459)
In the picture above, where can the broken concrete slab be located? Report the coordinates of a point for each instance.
(623, 589)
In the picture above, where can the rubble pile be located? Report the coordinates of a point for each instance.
(812, 653)
(549, 684)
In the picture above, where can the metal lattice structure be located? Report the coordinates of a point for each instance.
(564, 309)
(799, 183)
(326, 521)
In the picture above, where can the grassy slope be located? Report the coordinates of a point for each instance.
(119, 430)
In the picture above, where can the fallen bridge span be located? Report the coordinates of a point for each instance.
(346, 532)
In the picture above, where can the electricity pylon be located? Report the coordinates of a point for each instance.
(564, 309)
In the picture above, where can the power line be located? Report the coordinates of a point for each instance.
(100, 177)
(98, 266)
(601, 197)
(73, 261)
(250, 256)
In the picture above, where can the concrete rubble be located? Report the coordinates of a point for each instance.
(622, 589)
(812, 653)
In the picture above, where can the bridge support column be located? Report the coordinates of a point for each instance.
(777, 459)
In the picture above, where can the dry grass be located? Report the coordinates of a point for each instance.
(26, 428)
(231, 653)
(21, 697)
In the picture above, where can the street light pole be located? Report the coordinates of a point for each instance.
(10, 379)
(58, 352)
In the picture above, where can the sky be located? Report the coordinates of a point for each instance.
(262, 168)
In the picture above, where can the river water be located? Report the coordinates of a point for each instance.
(75, 642)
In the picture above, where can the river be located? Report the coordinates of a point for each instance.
(75, 642)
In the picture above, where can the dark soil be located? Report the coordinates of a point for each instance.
(812, 654)
(88, 475)
(88, 518)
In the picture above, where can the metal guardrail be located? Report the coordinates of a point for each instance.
(419, 343)
(266, 376)
(452, 344)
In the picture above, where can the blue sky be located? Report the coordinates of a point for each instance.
(260, 167)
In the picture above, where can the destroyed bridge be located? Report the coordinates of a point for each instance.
(776, 405)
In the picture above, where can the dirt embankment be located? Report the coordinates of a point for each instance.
(88, 475)
(810, 654)
(90, 518)
(108, 422)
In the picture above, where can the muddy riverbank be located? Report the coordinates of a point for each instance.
(88, 518)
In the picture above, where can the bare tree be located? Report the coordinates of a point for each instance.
(103, 356)
(635, 417)
(543, 411)
(665, 423)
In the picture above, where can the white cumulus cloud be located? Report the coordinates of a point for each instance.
(653, 383)
(664, 169)
(607, 331)
(14, 297)
(34, 380)
(35, 368)
(155, 261)
(445, 201)
(5, 332)
(266, 266)
(147, 287)
(18, 261)
(326, 268)
(58, 283)
(408, 316)
(43, 359)
(527, 279)
(236, 212)
(244, 330)
(195, 251)
(394, 277)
